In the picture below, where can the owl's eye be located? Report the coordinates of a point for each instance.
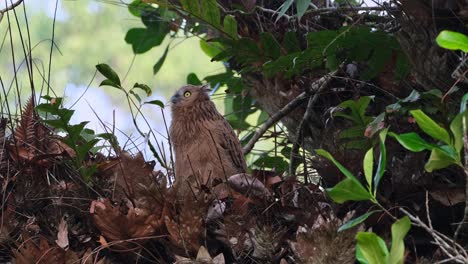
(187, 94)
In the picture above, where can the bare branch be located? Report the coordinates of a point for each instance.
(273, 119)
(449, 247)
(317, 87)
(11, 7)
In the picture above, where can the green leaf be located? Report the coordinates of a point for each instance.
(452, 40)
(108, 82)
(156, 102)
(368, 165)
(439, 159)
(212, 48)
(143, 39)
(109, 73)
(160, 62)
(192, 78)
(412, 142)
(211, 12)
(348, 190)
(135, 95)
(402, 66)
(399, 230)
(382, 159)
(372, 247)
(271, 47)
(291, 42)
(143, 87)
(355, 221)
(230, 26)
(456, 126)
(352, 132)
(463, 102)
(283, 8)
(193, 7)
(359, 256)
(301, 6)
(137, 7)
(376, 63)
(272, 162)
(430, 127)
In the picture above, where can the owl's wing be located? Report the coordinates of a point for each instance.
(228, 144)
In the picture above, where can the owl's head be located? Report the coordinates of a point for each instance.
(190, 95)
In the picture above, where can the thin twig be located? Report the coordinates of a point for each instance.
(273, 119)
(319, 11)
(317, 87)
(11, 7)
(448, 246)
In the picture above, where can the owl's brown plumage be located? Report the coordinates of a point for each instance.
(207, 151)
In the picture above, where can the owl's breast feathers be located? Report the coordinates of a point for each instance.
(205, 145)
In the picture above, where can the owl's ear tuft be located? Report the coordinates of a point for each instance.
(206, 88)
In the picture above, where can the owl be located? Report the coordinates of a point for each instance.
(207, 151)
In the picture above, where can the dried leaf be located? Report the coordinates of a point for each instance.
(449, 197)
(62, 235)
(115, 226)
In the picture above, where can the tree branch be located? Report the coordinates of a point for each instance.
(273, 119)
(317, 87)
(11, 7)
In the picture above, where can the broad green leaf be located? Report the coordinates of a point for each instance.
(359, 256)
(108, 82)
(456, 126)
(156, 102)
(439, 159)
(211, 48)
(136, 7)
(372, 247)
(355, 221)
(452, 40)
(430, 127)
(302, 6)
(412, 142)
(143, 87)
(160, 62)
(109, 73)
(348, 190)
(210, 11)
(271, 47)
(272, 162)
(283, 8)
(402, 66)
(368, 165)
(230, 26)
(135, 95)
(463, 103)
(191, 6)
(332, 62)
(382, 159)
(291, 42)
(352, 132)
(192, 78)
(376, 63)
(399, 230)
(143, 39)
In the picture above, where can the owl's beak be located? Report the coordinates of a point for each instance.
(175, 98)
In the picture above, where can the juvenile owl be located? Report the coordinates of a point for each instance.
(207, 151)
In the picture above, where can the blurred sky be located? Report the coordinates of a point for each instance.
(89, 32)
